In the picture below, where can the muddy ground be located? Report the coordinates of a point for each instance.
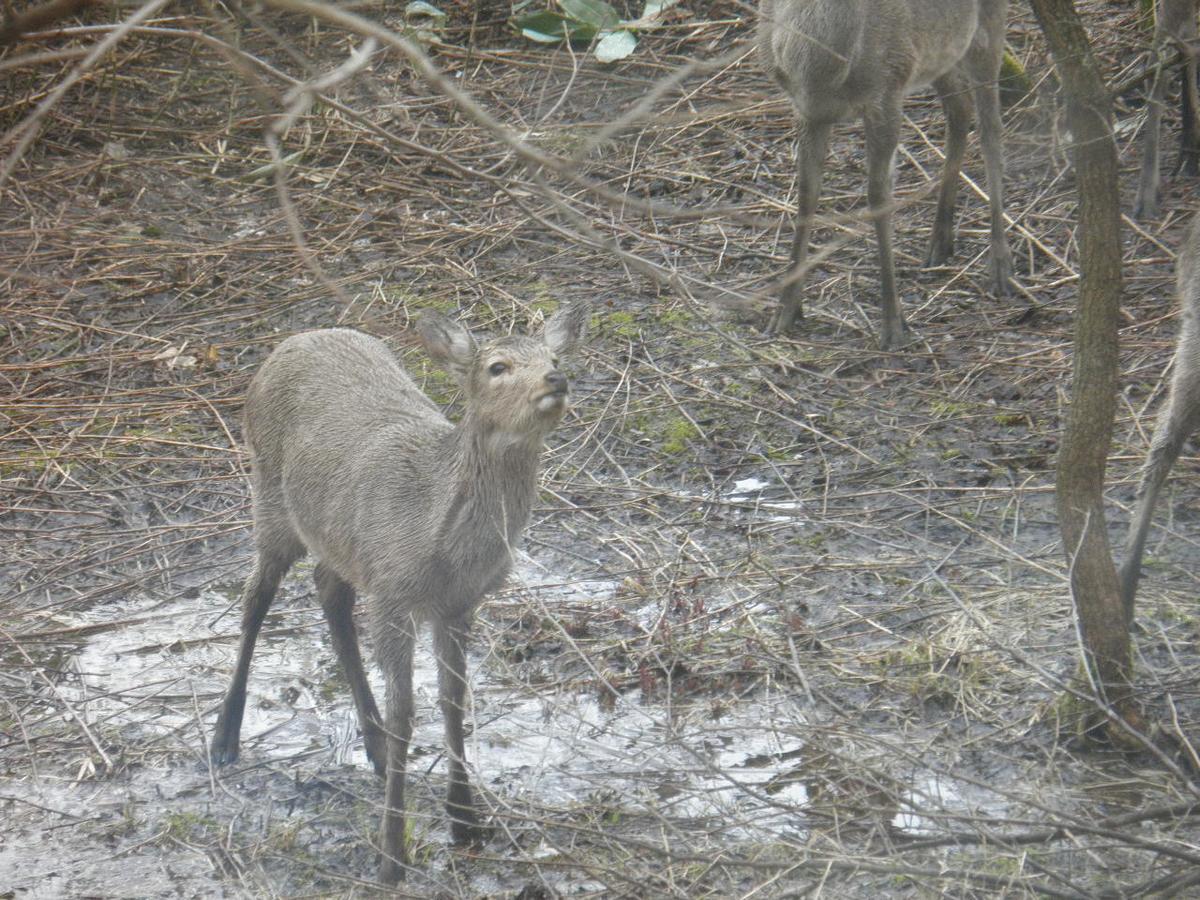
(791, 617)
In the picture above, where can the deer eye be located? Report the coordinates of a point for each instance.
(497, 369)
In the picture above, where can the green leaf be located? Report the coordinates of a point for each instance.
(544, 26)
(421, 8)
(615, 45)
(540, 36)
(596, 13)
(551, 27)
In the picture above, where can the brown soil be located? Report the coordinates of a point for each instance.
(794, 616)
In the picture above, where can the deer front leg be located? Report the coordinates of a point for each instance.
(395, 645)
(450, 639)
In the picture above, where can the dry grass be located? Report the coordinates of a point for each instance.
(842, 679)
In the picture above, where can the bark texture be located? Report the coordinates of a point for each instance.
(1083, 454)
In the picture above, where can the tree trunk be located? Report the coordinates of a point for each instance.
(1083, 453)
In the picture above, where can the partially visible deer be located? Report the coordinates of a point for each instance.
(838, 59)
(1174, 30)
(353, 463)
(1177, 419)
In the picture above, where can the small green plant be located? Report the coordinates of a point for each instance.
(676, 434)
(590, 20)
(183, 825)
(948, 409)
(1010, 420)
(622, 323)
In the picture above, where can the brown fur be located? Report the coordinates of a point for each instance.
(838, 59)
(352, 463)
(1174, 29)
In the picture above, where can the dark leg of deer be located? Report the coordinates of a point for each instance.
(957, 105)
(1189, 131)
(450, 639)
(1145, 205)
(256, 600)
(991, 140)
(337, 600)
(812, 140)
(1175, 424)
(883, 133)
(395, 641)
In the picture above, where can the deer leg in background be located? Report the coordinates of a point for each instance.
(812, 142)
(991, 141)
(337, 601)
(957, 104)
(1178, 421)
(1145, 205)
(1189, 103)
(883, 134)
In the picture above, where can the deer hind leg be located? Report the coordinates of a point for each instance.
(1175, 424)
(1145, 205)
(337, 601)
(981, 65)
(450, 639)
(274, 559)
(1189, 105)
(883, 134)
(957, 104)
(812, 142)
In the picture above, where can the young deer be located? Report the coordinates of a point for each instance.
(1178, 418)
(352, 463)
(1174, 29)
(842, 58)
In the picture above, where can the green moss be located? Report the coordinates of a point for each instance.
(949, 409)
(1015, 82)
(437, 384)
(1009, 420)
(401, 296)
(184, 824)
(675, 318)
(621, 323)
(676, 434)
(811, 540)
(544, 298)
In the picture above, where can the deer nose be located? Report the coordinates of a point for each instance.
(558, 381)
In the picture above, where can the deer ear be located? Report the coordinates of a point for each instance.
(448, 343)
(565, 329)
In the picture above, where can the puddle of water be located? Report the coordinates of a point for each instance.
(768, 501)
(159, 673)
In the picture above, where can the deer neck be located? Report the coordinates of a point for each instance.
(492, 486)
